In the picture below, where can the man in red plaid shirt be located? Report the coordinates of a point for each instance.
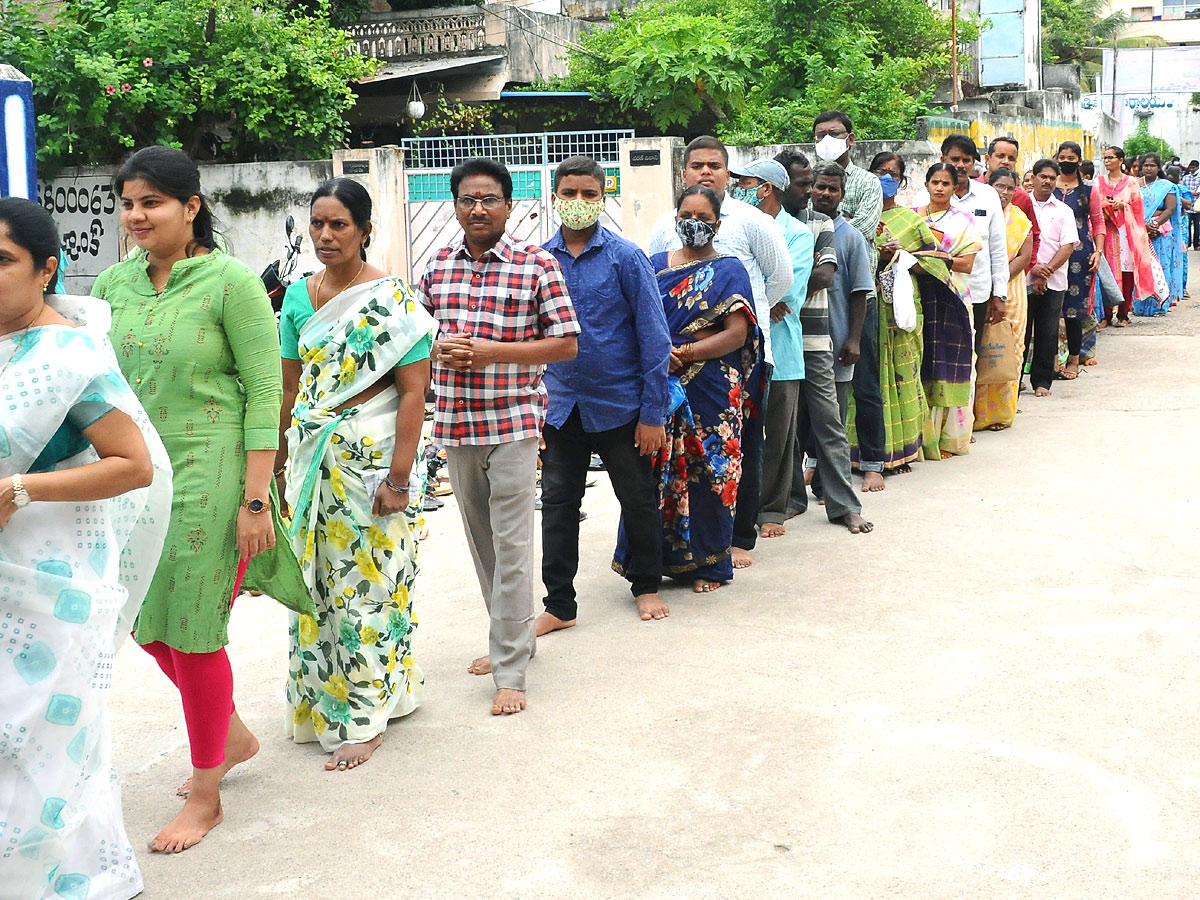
(503, 313)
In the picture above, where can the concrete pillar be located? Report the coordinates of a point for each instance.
(381, 171)
(651, 178)
(18, 150)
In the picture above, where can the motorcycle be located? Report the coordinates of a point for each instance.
(277, 276)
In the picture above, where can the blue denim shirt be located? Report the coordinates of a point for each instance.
(620, 372)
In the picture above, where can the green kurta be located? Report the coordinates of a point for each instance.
(203, 358)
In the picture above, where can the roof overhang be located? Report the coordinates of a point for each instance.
(411, 68)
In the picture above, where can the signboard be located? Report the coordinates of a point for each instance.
(85, 209)
(356, 167)
(645, 158)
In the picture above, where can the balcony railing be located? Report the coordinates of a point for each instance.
(399, 35)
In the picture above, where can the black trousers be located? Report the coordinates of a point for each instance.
(1074, 327)
(754, 445)
(1194, 230)
(1041, 333)
(868, 395)
(564, 479)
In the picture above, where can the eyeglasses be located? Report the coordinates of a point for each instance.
(832, 134)
(490, 202)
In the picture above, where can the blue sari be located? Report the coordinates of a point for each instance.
(1167, 247)
(701, 463)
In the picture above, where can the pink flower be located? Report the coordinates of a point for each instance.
(147, 62)
(126, 88)
(110, 89)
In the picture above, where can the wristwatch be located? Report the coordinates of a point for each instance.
(255, 505)
(21, 496)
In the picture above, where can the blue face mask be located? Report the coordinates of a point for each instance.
(746, 195)
(890, 185)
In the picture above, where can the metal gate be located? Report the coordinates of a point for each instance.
(531, 158)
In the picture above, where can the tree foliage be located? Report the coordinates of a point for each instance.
(1142, 141)
(233, 80)
(763, 69)
(1072, 28)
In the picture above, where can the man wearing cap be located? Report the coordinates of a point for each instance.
(755, 239)
(763, 183)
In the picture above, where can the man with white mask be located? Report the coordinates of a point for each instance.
(833, 134)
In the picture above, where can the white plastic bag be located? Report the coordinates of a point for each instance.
(904, 307)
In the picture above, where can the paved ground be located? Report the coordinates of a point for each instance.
(992, 696)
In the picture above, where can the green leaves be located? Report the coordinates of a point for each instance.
(109, 75)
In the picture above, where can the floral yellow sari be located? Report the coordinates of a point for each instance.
(996, 404)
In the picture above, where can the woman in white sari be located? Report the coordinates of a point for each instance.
(355, 370)
(85, 495)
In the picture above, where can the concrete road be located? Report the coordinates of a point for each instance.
(993, 695)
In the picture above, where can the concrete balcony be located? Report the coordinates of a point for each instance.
(439, 32)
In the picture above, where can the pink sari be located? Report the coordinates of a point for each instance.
(1131, 223)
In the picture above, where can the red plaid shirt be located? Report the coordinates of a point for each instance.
(514, 292)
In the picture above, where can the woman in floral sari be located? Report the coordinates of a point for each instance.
(356, 367)
(85, 498)
(996, 404)
(948, 368)
(1127, 249)
(1164, 220)
(716, 359)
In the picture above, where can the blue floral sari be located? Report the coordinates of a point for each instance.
(1167, 248)
(701, 463)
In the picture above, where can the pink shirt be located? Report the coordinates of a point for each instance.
(1057, 223)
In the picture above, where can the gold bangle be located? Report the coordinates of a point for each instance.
(279, 471)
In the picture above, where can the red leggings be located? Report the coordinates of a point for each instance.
(205, 683)
(1127, 292)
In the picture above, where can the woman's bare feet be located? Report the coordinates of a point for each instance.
(872, 481)
(1091, 361)
(856, 524)
(946, 454)
(997, 426)
(508, 701)
(651, 606)
(480, 666)
(742, 558)
(240, 745)
(546, 623)
(1041, 392)
(350, 756)
(703, 585)
(902, 470)
(771, 529)
(201, 813)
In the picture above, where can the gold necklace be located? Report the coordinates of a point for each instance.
(19, 341)
(321, 283)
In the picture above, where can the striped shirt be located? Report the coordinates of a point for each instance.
(513, 292)
(814, 314)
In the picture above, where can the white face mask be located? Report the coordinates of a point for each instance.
(830, 148)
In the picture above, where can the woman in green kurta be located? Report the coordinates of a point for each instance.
(196, 338)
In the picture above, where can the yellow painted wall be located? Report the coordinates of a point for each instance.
(1038, 138)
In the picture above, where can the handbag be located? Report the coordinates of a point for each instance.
(1000, 360)
(1162, 290)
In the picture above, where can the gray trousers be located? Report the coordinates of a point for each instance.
(779, 453)
(494, 487)
(820, 424)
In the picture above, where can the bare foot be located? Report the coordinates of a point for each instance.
(946, 454)
(651, 606)
(350, 756)
(820, 501)
(902, 470)
(742, 558)
(1071, 370)
(997, 426)
(771, 529)
(872, 481)
(201, 813)
(856, 524)
(543, 624)
(508, 701)
(808, 476)
(481, 666)
(1041, 392)
(1091, 361)
(240, 745)
(703, 585)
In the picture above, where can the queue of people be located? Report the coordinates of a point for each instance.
(788, 325)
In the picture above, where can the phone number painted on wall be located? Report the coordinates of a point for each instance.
(85, 209)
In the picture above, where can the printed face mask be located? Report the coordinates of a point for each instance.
(890, 185)
(695, 232)
(830, 148)
(578, 214)
(746, 195)
(1069, 168)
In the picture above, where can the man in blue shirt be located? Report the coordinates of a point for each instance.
(612, 398)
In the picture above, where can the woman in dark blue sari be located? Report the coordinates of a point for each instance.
(717, 375)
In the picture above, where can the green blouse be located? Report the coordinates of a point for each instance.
(203, 358)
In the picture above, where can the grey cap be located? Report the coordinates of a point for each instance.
(767, 170)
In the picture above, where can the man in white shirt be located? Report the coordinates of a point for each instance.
(1048, 277)
(989, 276)
(754, 238)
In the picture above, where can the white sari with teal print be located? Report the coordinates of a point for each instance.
(72, 577)
(351, 669)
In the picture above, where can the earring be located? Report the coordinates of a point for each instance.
(46, 286)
